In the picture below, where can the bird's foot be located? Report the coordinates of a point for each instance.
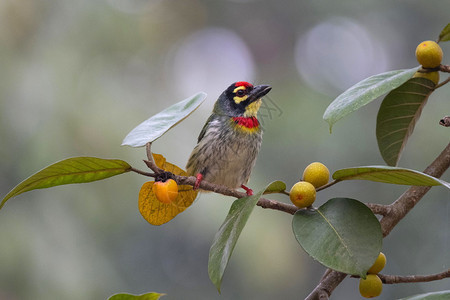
(249, 191)
(198, 181)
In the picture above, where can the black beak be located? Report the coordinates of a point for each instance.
(258, 92)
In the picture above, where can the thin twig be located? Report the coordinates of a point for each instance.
(224, 190)
(281, 206)
(326, 286)
(142, 172)
(392, 279)
(444, 68)
(285, 193)
(445, 121)
(148, 149)
(442, 83)
(327, 185)
(150, 162)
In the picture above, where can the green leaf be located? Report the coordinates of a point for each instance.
(157, 125)
(71, 170)
(343, 234)
(387, 174)
(275, 187)
(148, 296)
(442, 295)
(445, 34)
(398, 115)
(364, 92)
(228, 234)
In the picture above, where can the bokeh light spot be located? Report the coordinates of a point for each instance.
(336, 54)
(209, 60)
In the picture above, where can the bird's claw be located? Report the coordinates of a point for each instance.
(198, 181)
(248, 191)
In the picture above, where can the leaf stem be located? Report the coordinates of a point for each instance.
(150, 162)
(285, 193)
(442, 83)
(142, 172)
(327, 185)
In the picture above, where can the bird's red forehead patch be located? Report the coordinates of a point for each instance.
(243, 83)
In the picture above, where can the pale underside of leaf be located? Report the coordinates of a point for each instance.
(154, 127)
(364, 92)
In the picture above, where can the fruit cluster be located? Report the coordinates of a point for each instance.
(303, 193)
(372, 285)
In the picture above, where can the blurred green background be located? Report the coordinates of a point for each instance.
(77, 76)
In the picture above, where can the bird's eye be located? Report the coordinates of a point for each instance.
(240, 93)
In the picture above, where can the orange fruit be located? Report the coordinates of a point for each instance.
(166, 192)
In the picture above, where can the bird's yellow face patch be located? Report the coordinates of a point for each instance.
(241, 94)
(252, 109)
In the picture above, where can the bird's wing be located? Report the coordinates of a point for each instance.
(205, 128)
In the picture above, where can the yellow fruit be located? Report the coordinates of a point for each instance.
(429, 54)
(378, 264)
(433, 76)
(166, 192)
(317, 174)
(371, 286)
(302, 194)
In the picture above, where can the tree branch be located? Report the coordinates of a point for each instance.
(445, 121)
(444, 68)
(224, 190)
(392, 279)
(379, 209)
(327, 285)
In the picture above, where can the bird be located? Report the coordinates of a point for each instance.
(230, 140)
